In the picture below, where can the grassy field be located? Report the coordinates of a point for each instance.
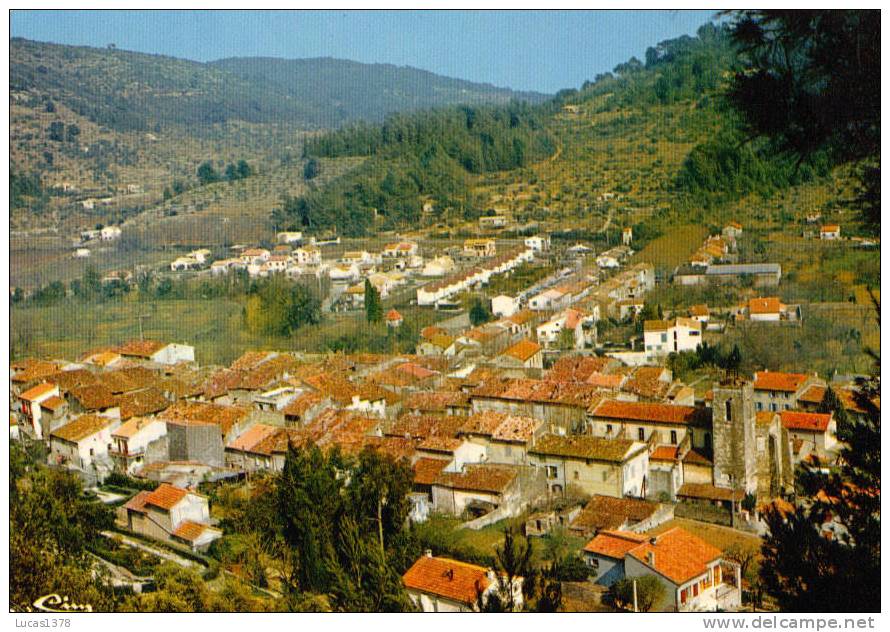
(673, 247)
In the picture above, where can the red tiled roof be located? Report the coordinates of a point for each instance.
(166, 496)
(36, 392)
(664, 453)
(578, 368)
(204, 413)
(523, 350)
(392, 315)
(583, 447)
(137, 502)
(188, 530)
(484, 423)
(82, 427)
(144, 402)
(479, 478)
(614, 544)
(53, 403)
(643, 411)
(607, 512)
(812, 422)
(769, 305)
(140, 348)
(678, 555)
(453, 580)
(246, 441)
(427, 469)
(301, 404)
(775, 381)
(516, 429)
(93, 396)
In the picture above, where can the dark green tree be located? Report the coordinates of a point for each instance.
(311, 169)
(207, 174)
(479, 313)
(373, 306)
(808, 82)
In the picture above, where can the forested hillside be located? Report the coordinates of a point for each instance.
(416, 158)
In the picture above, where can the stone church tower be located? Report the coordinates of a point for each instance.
(734, 432)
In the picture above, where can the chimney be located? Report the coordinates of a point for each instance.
(428, 552)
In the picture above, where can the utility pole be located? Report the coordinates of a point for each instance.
(635, 596)
(141, 317)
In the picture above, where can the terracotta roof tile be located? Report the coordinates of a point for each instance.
(643, 411)
(769, 305)
(93, 396)
(578, 368)
(584, 447)
(66, 380)
(204, 413)
(53, 403)
(30, 370)
(189, 530)
(516, 429)
(457, 581)
(775, 381)
(678, 555)
(140, 348)
(133, 426)
(606, 512)
(664, 453)
(137, 502)
(483, 423)
(36, 392)
(439, 443)
(435, 401)
(811, 422)
(302, 403)
(614, 544)
(250, 438)
(83, 427)
(427, 469)
(141, 403)
(523, 350)
(166, 496)
(479, 478)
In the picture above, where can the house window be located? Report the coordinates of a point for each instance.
(577, 475)
(608, 429)
(695, 590)
(605, 475)
(551, 471)
(664, 337)
(673, 437)
(728, 405)
(641, 433)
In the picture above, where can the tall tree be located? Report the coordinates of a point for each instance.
(373, 307)
(810, 81)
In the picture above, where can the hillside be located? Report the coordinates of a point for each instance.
(337, 91)
(130, 91)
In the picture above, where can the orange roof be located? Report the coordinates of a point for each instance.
(678, 555)
(813, 422)
(133, 426)
(203, 413)
(483, 423)
(664, 453)
(457, 581)
(523, 350)
(614, 544)
(140, 348)
(36, 392)
(699, 310)
(82, 427)
(188, 530)
(764, 417)
(643, 411)
(53, 403)
(479, 478)
(427, 469)
(254, 435)
(440, 443)
(515, 429)
(584, 447)
(608, 513)
(141, 403)
(137, 502)
(776, 381)
(93, 396)
(392, 315)
(831, 228)
(601, 380)
(770, 305)
(166, 496)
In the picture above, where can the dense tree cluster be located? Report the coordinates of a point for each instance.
(414, 157)
(278, 306)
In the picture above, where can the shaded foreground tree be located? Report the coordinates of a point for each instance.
(650, 591)
(810, 82)
(824, 553)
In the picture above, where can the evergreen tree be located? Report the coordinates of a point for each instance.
(479, 313)
(373, 306)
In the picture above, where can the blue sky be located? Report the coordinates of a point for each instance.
(523, 50)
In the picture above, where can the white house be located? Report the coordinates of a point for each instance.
(344, 273)
(201, 255)
(130, 440)
(307, 255)
(110, 233)
(504, 306)
(661, 337)
(689, 568)
(830, 231)
(402, 249)
(538, 243)
(255, 256)
(608, 260)
(173, 514)
(80, 442)
(290, 237)
(81, 253)
(439, 584)
(440, 266)
(31, 401)
(548, 299)
(548, 333)
(158, 352)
